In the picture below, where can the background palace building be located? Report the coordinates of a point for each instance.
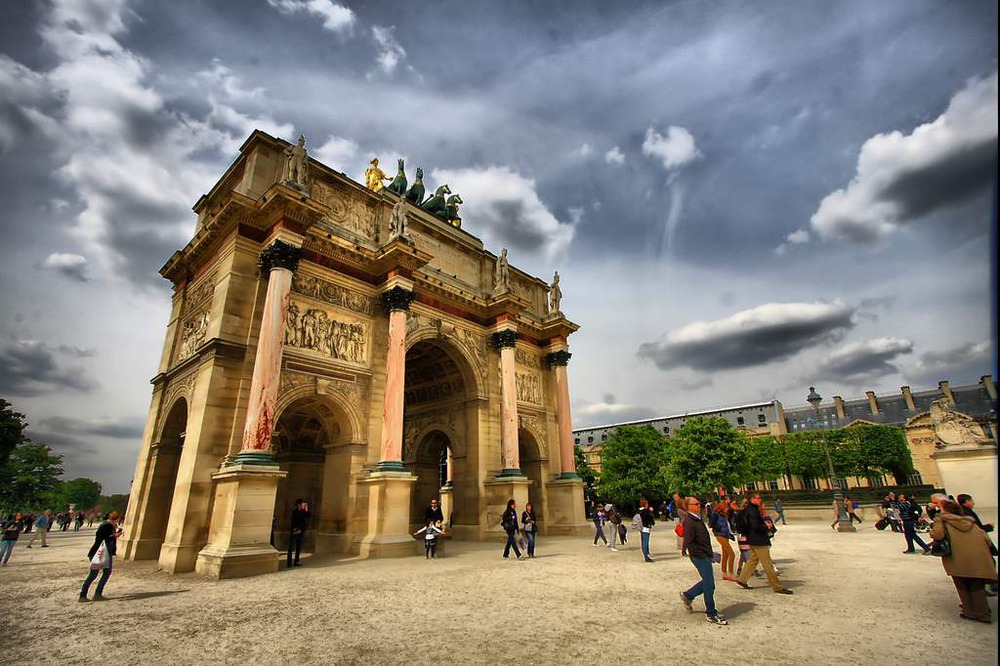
(769, 418)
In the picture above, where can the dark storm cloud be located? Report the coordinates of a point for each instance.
(964, 363)
(771, 332)
(864, 361)
(118, 429)
(30, 368)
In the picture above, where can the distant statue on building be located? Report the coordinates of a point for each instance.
(555, 294)
(296, 165)
(374, 176)
(954, 428)
(501, 276)
(397, 222)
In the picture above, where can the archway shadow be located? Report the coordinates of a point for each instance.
(737, 609)
(136, 596)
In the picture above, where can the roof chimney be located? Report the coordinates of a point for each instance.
(946, 391)
(872, 402)
(838, 402)
(986, 381)
(908, 397)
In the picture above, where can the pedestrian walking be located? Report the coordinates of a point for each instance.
(647, 521)
(599, 519)
(508, 521)
(780, 510)
(852, 510)
(970, 562)
(11, 530)
(698, 546)
(614, 520)
(759, 542)
(529, 525)
(42, 525)
(909, 514)
(724, 535)
(106, 537)
(299, 525)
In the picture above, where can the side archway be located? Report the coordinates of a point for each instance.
(533, 466)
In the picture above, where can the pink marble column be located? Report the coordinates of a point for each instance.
(510, 461)
(277, 263)
(558, 361)
(397, 300)
(450, 464)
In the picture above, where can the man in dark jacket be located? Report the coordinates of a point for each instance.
(698, 545)
(106, 536)
(300, 523)
(909, 514)
(759, 540)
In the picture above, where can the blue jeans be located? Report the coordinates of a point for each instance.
(511, 543)
(644, 536)
(705, 586)
(105, 575)
(530, 536)
(6, 548)
(910, 532)
(599, 534)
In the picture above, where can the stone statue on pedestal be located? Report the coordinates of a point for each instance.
(296, 165)
(501, 275)
(555, 294)
(397, 222)
(954, 428)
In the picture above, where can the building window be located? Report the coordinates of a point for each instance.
(604, 438)
(751, 486)
(773, 484)
(590, 440)
(761, 418)
(577, 441)
(666, 430)
(914, 479)
(809, 483)
(740, 420)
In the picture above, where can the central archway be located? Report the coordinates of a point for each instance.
(441, 432)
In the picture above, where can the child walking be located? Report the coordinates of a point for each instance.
(431, 532)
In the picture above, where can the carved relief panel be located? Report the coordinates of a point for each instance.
(347, 212)
(528, 388)
(327, 333)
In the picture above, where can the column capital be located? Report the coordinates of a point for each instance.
(558, 358)
(504, 339)
(279, 254)
(397, 298)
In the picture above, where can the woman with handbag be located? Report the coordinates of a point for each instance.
(508, 521)
(965, 554)
(724, 534)
(106, 538)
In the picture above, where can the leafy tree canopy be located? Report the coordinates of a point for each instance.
(766, 458)
(633, 465)
(31, 473)
(85, 494)
(707, 453)
(12, 427)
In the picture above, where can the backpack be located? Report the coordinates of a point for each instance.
(637, 522)
(741, 522)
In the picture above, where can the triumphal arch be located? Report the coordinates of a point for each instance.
(351, 345)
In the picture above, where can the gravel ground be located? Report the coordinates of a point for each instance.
(857, 600)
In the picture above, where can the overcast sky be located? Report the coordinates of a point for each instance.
(743, 199)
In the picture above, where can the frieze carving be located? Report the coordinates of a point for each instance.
(353, 392)
(532, 423)
(347, 212)
(178, 387)
(331, 293)
(528, 388)
(526, 359)
(279, 255)
(193, 334)
(292, 380)
(322, 331)
(202, 292)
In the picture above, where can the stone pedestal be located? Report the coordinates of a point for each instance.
(566, 513)
(240, 530)
(388, 533)
(970, 469)
(498, 492)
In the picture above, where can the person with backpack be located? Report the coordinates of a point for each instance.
(751, 523)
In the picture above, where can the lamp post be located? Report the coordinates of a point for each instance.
(843, 521)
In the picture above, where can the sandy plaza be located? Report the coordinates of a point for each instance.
(857, 600)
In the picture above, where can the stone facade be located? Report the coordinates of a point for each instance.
(311, 353)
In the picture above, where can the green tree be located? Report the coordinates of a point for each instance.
(84, 493)
(31, 473)
(708, 453)
(882, 450)
(12, 427)
(804, 452)
(766, 458)
(633, 465)
(117, 502)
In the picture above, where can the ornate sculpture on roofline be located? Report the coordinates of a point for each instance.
(954, 428)
(296, 169)
(555, 294)
(397, 222)
(416, 192)
(501, 275)
(374, 176)
(398, 185)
